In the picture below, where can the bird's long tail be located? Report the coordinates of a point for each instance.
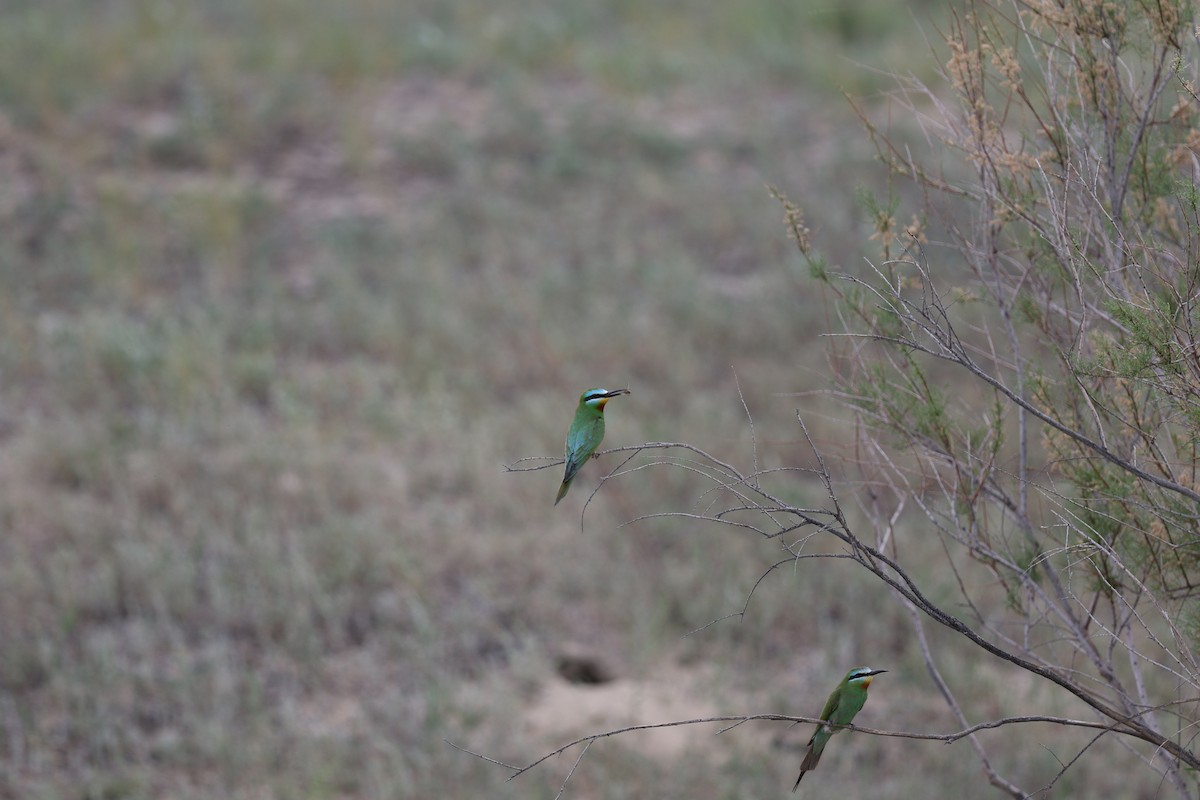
(562, 491)
(811, 757)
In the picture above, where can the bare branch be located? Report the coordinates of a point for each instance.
(739, 720)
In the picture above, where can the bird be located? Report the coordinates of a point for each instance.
(587, 429)
(846, 701)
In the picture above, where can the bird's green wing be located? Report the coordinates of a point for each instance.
(831, 704)
(582, 441)
(821, 736)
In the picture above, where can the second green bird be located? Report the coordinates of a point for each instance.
(846, 701)
(587, 429)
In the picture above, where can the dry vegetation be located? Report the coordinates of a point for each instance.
(282, 287)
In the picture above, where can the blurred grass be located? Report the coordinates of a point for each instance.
(284, 283)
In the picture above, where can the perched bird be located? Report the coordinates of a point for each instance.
(846, 701)
(587, 429)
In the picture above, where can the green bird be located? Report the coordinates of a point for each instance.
(587, 429)
(846, 701)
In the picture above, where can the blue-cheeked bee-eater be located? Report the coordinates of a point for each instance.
(846, 701)
(587, 429)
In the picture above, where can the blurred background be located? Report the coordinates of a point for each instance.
(283, 286)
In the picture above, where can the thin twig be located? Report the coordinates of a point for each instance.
(567, 779)
(937, 737)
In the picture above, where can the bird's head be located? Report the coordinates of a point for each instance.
(862, 676)
(596, 398)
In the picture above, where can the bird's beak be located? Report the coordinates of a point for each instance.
(616, 392)
(877, 672)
